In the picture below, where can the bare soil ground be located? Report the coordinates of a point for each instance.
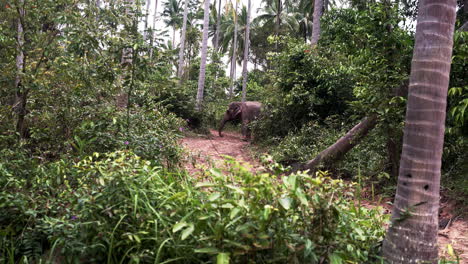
(209, 151)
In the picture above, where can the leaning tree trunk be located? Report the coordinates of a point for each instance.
(201, 78)
(246, 54)
(180, 70)
(234, 54)
(153, 33)
(318, 9)
(20, 93)
(343, 145)
(412, 236)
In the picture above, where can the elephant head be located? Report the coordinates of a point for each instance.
(233, 112)
(246, 112)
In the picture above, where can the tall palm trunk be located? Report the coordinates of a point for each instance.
(218, 27)
(201, 78)
(145, 32)
(246, 54)
(234, 54)
(278, 22)
(318, 9)
(20, 92)
(153, 36)
(180, 71)
(412, 236)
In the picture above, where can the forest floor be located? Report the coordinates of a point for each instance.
(209, 150)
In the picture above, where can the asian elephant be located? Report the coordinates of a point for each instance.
(246, 112)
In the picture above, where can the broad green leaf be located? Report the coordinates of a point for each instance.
(301, 196)
(234, 212)
(214, 196)
(179, 226)
(335, 259)
(285, 202)
(222, 258)
(188, 231)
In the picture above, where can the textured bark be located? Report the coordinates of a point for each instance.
(180, 70)
(412, 236)
(145, 32)
(201, 78)
(278, 21)
(218, 27)
(234, 54)
(318, 9)
(153, 36)
(246, 53)
(20, 93)
(343, 145)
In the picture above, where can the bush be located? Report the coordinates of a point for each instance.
(119, 208)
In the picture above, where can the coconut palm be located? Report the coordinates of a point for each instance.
(412, 236)
(182, 42)
(318, 10)
(246, 53)
(172, 12)
(201, 78)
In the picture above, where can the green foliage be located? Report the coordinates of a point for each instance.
(118, 208)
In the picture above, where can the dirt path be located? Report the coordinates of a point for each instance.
(209, 151)
(206, 152)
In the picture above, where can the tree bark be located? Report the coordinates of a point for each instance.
(201, 78)
(218, 27)
(412, 235)
(343, 145)
(20, 92)
(153, 33)
(145, 32)
(234, 54)
(180, 70)
(278, 22)
(318, 9)
(246, 54)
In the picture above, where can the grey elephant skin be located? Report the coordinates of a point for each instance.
(246, 112)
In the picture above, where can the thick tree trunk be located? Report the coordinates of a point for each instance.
(412, 236)
(20, 92)
(246, 54)
(180, 70)
(318, 9)
(201, 78)
(153, 34)
(343, 145)
(234, 54)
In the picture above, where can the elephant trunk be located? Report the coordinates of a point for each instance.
(225, 119)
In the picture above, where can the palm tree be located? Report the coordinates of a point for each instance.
(318, 9)
(172, 11)
(233, 56)
(182, 42)
(246, 54)
(201, 78)
(153, 35)
(412, 236)
(218, 26)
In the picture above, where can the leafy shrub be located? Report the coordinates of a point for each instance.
(118, 208)
(151, 133)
